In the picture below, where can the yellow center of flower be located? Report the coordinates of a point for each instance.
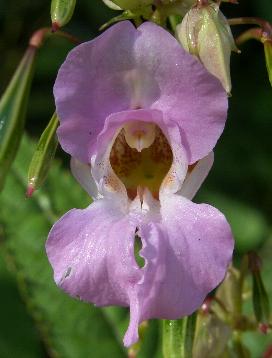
(141, 157)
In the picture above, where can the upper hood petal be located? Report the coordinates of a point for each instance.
(127, 68)
(188, 93)
(90, 85)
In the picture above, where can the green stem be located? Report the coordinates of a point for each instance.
(178, 337)
(172, 339)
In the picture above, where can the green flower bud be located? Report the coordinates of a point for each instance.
(111, 5)
(43, 156)
(61, 12)
(127, 4)
(205, 33)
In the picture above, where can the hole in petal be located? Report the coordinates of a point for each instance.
(137, 248)
(141, 156)
(66, 274)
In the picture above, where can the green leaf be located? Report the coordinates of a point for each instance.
(43, 156)
(19, 339)
(68, 327)
(12, 111)
(61, 12)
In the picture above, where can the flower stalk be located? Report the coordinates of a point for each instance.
(178, 337)
(265, 25)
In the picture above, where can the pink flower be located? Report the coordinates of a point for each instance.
(140, 118)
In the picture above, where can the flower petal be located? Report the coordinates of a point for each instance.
(101, 169)
(90, 86)
(127, 68)
(188, 94)
(186, 257)
(92, 254)
(201, 246)
(195, 178)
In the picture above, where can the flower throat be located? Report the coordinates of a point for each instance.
(141, 157)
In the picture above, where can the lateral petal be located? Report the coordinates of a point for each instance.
(186, 255)
(92, 254)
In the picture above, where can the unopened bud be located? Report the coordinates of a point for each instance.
(139, 135)
(205, 33)
(61, 12)
(127, 4)
(111, 5)
(43, 156)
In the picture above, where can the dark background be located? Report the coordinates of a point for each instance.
(240, 183)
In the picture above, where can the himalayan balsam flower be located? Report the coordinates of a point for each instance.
(140, 117)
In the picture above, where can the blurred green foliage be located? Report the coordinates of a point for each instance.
(239, 185)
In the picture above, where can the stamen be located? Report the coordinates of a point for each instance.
(139, 135)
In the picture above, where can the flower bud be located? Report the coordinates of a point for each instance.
(204, 32)
(127, 4)
(61, 12)
(111, 5)
(43, 156)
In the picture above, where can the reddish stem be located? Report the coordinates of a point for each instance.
(55, 27)
(40, 35)
(265, 25)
